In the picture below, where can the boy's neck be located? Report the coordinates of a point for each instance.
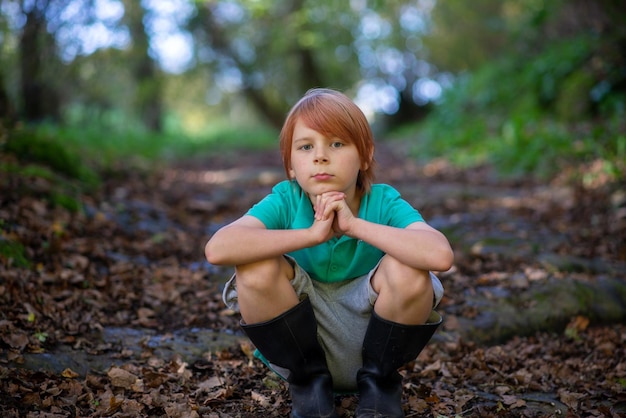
(355, 203)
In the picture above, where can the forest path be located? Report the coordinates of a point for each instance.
(534, 306)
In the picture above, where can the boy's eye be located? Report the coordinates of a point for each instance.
(306, 147)
(337, 144)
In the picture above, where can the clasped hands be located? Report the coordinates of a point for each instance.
(333, 216)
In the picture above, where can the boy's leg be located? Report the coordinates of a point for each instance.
(405, 294)
(401, 325)
(284, 329)
(264, 290)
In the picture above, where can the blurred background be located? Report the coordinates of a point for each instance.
(532, 87)
(121, 126)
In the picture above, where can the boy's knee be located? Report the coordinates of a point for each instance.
(261, 274)
(406, 281)
(415, 285)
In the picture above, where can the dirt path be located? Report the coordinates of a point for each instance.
(132, 261)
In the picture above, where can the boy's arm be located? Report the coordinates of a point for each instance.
(418, 245)
(247, 240)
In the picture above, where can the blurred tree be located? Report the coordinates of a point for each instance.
(36, 64)
(467, 34)
(56, 42)
(40, 97)
(148, 77)
(102, 87)
(264, 50)
(274, 51)
(7, 111)
(580, 87)
(394, 57)
(554, 96)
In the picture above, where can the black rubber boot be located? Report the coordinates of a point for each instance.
(289, 343)
(386, 347)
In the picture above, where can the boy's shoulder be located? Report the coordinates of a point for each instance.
(383, 189)
(287, 191)
(287, 187)
(381, 194)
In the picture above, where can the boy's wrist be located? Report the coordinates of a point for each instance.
(314, 237)
(355, 227)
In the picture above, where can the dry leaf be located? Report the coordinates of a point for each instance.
(17, 340)
(69, 373)
(260, 399)
(121, 378)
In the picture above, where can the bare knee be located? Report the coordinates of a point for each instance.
(263, 275)
(402, 281)
(405, 294)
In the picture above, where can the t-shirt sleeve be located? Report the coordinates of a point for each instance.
(273, 209)
(397, 212)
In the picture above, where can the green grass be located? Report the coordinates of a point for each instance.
(106, 147)
(48, 150)
(13, 252)
(73, 158)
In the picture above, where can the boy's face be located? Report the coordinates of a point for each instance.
(320, 164)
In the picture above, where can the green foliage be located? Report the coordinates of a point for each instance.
(529, 115)
(41, 336)
(114, 139)
(63, 171)
(70, 159)
(35, 146)
(222, 137)
(466, 34)
(61, 192)
(13, 252)
(89, 145)
(69, 202)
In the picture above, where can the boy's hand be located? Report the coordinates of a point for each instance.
(332, 206)
(323, 229)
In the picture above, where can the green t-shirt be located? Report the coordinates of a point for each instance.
(288, 207)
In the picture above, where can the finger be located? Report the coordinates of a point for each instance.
(331, 208)
(325, 204)
(318, 207)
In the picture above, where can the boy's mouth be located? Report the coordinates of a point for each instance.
(322, 176)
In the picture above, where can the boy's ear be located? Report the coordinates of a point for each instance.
(292, 174)
(366, 164)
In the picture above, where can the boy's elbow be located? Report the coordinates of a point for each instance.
(445, 260)
(212, 256)
(449, 259)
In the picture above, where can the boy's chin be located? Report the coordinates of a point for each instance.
(315, 191)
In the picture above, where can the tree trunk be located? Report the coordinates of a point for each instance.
(219, 42)
(7, 111)
(39, 99)
(149, 101)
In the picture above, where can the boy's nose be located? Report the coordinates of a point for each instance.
(320, 157)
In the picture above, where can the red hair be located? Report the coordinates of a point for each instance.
(334, 115)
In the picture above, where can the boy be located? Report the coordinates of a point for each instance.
(332, 274)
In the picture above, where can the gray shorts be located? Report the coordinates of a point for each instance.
(342, 311)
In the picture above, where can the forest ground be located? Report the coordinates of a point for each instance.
(117, 313)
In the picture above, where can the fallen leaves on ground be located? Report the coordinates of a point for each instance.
(541, 376)
(133, 258)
